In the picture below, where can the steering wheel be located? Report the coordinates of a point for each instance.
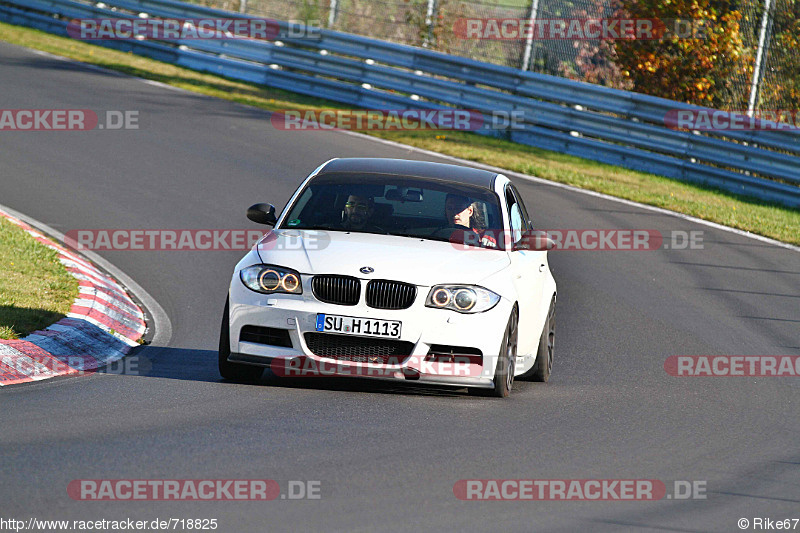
(447, 230)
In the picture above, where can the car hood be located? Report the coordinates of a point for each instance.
(412, 260)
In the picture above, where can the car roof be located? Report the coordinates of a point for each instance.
(417, 169)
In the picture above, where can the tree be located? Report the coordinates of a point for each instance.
(703, 67)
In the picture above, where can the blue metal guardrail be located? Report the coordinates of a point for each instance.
(607, 125)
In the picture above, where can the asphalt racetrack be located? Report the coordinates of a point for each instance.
(386, 456)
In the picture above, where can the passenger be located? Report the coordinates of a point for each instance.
(462, 212)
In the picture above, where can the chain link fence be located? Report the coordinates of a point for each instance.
(717, 70)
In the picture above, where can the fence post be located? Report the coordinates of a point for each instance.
(526, 57)
(333, 12)
(754, 86)
(430, 22)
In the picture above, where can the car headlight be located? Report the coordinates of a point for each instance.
(270, 279)
(461, 298)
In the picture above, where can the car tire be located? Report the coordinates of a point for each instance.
(504, 372)
(233, 371)
(544, 358)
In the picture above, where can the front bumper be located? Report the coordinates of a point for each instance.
(421, 326)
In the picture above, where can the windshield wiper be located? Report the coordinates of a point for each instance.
(422, 237)
(329, 227)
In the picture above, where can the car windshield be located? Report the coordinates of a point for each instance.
(395, 205)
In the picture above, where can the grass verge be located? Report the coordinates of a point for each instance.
(773, 221)
(35, 288)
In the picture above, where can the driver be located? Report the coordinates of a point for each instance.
(357, 214)
(461, 212)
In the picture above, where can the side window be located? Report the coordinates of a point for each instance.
(523, 211)
(516, 223)
(517, 218)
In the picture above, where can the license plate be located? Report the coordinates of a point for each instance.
(365, 327)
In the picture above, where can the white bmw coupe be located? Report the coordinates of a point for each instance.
(395, 269)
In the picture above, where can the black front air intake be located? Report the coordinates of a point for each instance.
(358, 349)
(268, 336)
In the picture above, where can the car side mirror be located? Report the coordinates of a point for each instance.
(535, 241)
(262, 214)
